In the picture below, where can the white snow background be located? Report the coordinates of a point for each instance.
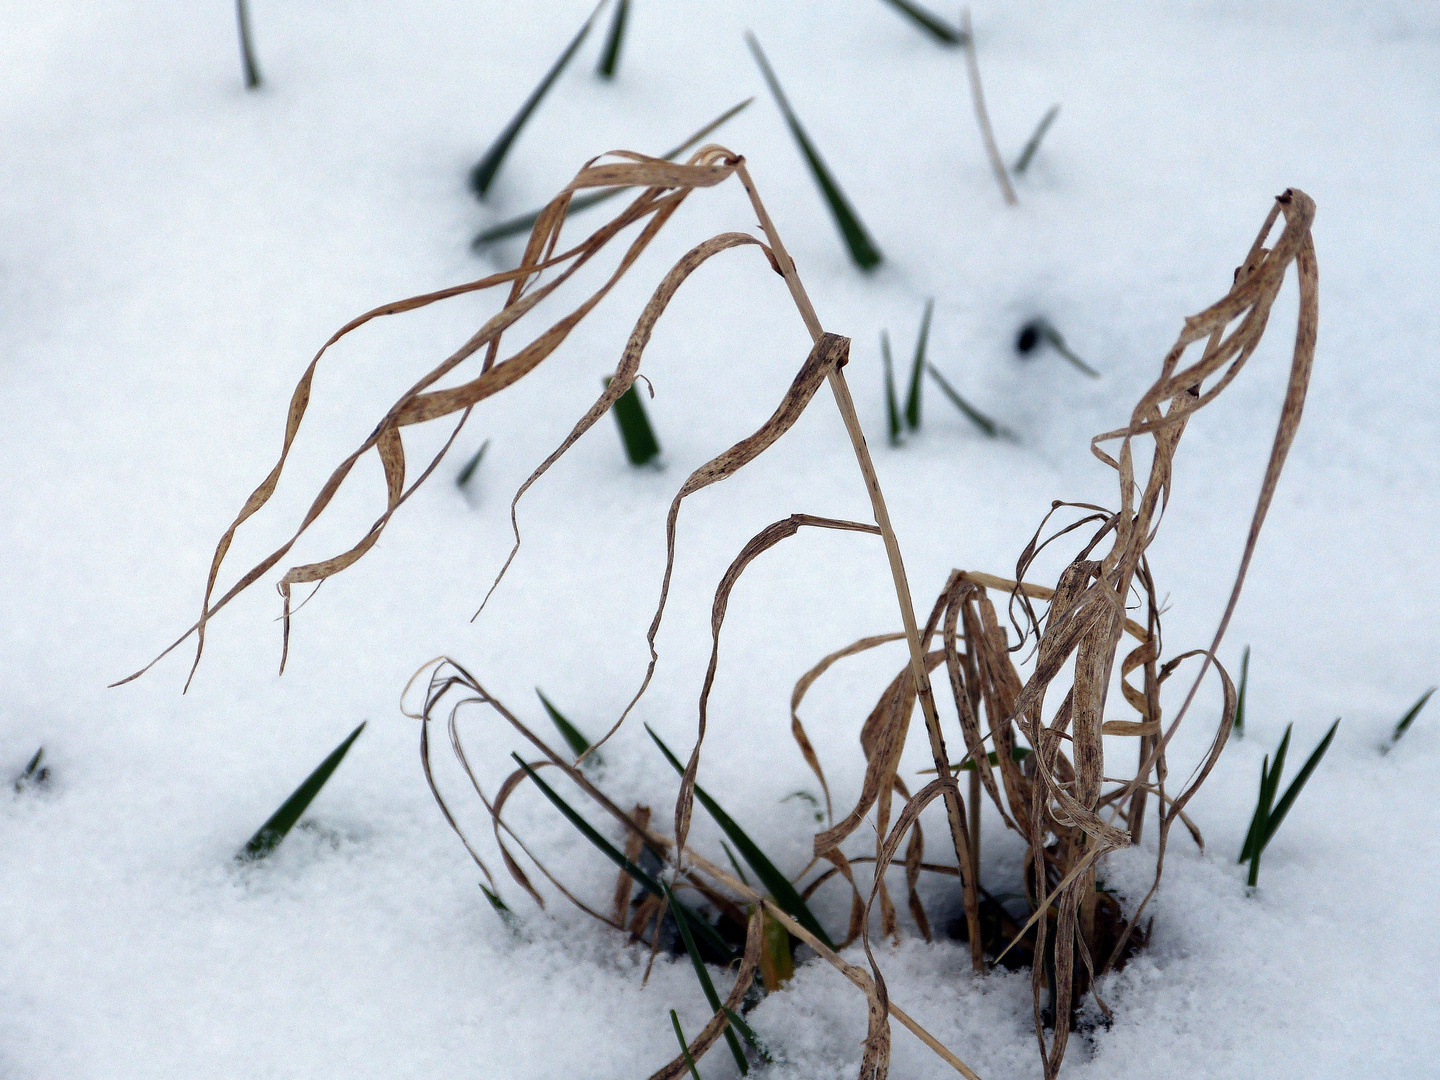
(172, 251)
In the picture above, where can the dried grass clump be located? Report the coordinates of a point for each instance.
(1070, 809)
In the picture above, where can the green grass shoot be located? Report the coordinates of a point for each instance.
(1269, 813)
(269, 835)
(931, 24)
(1037, 330)
(774, 882)
(684, 1046)
(517, 226)
(862, 248)
(508, 917)
(247, 47)
(917, 369)
(483, 174)
(641, 446)
(1023, 161)
(805, 796)
(974, 415)
(1239, 726)
(568, 731)
(735, 863)
(706, 983)
(749, 1035)
(610, 58)
(463, 480)
(1409, 718)
(34, 774)
(642, 878)
(892, 406)
(1017, 753)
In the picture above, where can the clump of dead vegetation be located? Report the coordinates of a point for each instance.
(1034, 747)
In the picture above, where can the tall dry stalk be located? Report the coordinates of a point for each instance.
(1057, 801)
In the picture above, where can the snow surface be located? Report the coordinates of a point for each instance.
(173, 251)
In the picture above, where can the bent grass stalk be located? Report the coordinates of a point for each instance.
(1059, 803)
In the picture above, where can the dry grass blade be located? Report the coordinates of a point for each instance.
(758, 545)
(977, 95)
(525, 222)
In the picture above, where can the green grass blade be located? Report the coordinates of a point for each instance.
(734, 863)
(1023, 161)
(684, 1046)
(247, 49)
(610, 58)
(1239, 725)
(524, 223)
(577, 742)
(1257, 819)
(1058, 343)
(643, 879)
(892, 407)
(1409, 718)
(483, 174)
(941, 32)
(641, 446)
(862, 248)
(1254, 878)
(269, 835)
(1017, 753)
(1293, 791)
(912, 399)
(749, 1036)
(775, 883)
(1278, 770)
(463, 480)
(706, 984)
(508, 917)
(974, 415)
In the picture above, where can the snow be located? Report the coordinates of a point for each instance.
(175, 249)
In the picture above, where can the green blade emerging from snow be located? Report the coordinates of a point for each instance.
(892, 406)
(774, 882)
(941, 32)
(610, 58)
(974, 415)
(577, 742)
(463, 480)
(862, 248)
(641, 446)
(703, 974)
(643, 879)
(1239, 726)
(1409, 718)
(268, 838)
(684, 1046)
(483, 174)
(1023, 161)
(1296, 786)
(912, 399)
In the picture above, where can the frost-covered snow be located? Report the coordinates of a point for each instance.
(173, 249)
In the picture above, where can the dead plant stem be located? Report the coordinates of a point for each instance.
(954, 810)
